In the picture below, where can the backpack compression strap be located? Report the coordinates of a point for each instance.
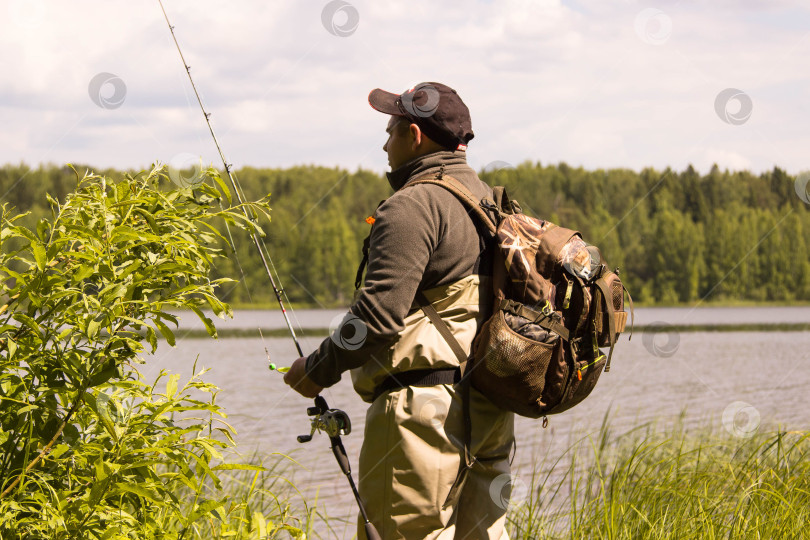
(607, 298)
(544, 318)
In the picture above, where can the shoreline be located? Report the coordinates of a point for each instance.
(273, 306)
(231, 333)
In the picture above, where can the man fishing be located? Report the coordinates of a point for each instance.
(415, 479)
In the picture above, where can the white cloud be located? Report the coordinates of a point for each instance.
(546, 80)
(725, 158)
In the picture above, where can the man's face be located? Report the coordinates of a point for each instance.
(399, 145)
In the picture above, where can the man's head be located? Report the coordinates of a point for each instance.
(424, 119)
(406, 141)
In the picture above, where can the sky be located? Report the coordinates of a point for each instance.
(598, 84)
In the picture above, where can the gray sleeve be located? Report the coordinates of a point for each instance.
(403, 237)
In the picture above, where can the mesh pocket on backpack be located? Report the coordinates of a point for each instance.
(618, 294)
(510, 369)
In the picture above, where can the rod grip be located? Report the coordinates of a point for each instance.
(340, 454)
(371, 532)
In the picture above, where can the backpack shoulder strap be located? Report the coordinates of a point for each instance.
(358, 278)
(470, 202)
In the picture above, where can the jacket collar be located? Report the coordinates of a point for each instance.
(425, 166)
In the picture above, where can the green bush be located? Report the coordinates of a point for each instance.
(88, 448)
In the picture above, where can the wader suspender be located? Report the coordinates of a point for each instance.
(464, 386)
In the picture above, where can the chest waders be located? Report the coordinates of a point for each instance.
(332, 421)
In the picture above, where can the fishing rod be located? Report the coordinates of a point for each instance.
(333, 422)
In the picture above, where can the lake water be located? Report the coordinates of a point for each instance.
(322, 318)
(652, 377)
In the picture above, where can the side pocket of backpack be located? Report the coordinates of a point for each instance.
(583, 380)
(613, 303)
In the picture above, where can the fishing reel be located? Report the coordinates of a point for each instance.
(333, 422)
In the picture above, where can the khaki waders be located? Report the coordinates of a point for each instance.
(410, 458)
(414, 436)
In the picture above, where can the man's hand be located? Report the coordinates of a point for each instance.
(298, 380)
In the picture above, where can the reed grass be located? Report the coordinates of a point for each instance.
(656, 483)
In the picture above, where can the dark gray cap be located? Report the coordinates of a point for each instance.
(436, 108)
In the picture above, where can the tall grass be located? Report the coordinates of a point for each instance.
(262, 502)
(655, 483)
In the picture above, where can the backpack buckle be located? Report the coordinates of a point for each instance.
(489, 204)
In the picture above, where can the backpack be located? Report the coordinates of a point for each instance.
(556, 304)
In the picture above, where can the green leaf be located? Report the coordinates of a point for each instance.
(128, 268)
(169, 317)
(151, 337)
(204, 508)
(23, 231)
(109, 370)
(28, 321)
(101, 470)
(93, 327)
(58, 450)
(83, 272)
(223, 187)
(227, 434)
(137, 490)
(23, 410)
(39, 254)
(218, 307)
(123, 232)
(239, 467)
(51, 200)
(149, 219)
(209, 448)
(168, 335)
(111, 292)
(42, 229)
(71, 434)
(101, 413)
(171, 385)
(209, 325)
(259, 524)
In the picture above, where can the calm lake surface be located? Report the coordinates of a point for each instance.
(321, 318)
(652, 377)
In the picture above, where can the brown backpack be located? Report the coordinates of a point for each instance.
(556, 304)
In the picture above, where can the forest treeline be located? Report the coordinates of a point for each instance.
(678, 237)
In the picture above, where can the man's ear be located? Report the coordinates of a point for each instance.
(416, 135)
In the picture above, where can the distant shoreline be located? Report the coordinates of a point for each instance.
(231, 333)
(273, 306)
